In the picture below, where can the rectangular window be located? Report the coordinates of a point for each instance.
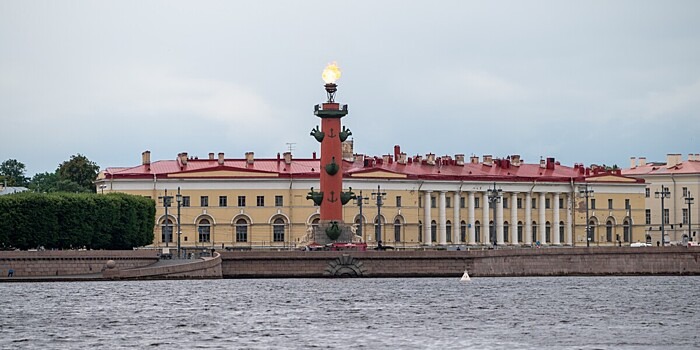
(398, 201)
(685, 191)
(520, 203)
(592, 203)
(432, 202)
(610, 203)
(241, 201)
(204, 201)
(666, 216)
(685, 215)
(505, 202)
(462, 202)
(534, 203)
(185, 201)
(279, 201)
(476, 202)
(260, 201)
(627, 204)
(561, 203)
(647, 216)
(547, 205)
(647, 192)
(223, 201)
(448, 202)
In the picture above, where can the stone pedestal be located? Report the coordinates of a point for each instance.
(320, 236)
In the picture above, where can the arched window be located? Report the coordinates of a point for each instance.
(520, 231)
(561, 232)
(448, 231)
(506, 228)
(477, 231)
(166, 231)
(547, 232)
(609, 231)
(204, 231)
(278, 230)
(463, 231)
(534, 232)
(397, 230)
(433, 231)
(627, 230)
(492, 231)
(241, 230)
(314, 223)
(591, 230)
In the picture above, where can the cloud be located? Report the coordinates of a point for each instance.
(679, 100)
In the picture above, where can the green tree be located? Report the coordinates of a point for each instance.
(12, 171)
(80, 170)
(51, 182)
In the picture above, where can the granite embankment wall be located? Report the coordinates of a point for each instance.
(71, 262)
(209, 267)
(480, 263)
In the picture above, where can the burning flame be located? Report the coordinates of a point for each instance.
(331, 73)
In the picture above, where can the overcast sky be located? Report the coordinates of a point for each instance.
(581, 81)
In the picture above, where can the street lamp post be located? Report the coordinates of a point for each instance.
(494, 198)
(587, 192)
(360, 200)
(379, 196)
(664, 193)
(178, 198)
(689, 201)
(166, 203)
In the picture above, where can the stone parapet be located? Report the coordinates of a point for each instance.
(70, 262)
(494, 263)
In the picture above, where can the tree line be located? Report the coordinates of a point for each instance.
(77, 174)
(75, 220)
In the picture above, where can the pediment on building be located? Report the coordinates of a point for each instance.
(379, 174)
(610, 178)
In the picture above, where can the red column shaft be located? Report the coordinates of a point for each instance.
(331, 185)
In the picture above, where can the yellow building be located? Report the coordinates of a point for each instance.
(426, 200)
(678, 183)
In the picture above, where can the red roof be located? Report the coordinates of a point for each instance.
(442, 169)
(684, 168)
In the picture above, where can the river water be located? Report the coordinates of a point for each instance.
(417, 313)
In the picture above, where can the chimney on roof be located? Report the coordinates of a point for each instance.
(348, 149)
(221, 158)
(642, 161)
(515, 160)
(430, 158)
(183, 158)
(287, 157)
(359, 158)
(211, 155)
(543, 163)
(488, 160)
(474, 160)
(386, 159)
(418, 159)
(397, 152)
(459, 159)
(250, 158)
(673, 159)
(633, 162)
(550, 163)
(402, 158)
(146, 158)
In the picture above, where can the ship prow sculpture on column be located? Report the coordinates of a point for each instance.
(330, 197)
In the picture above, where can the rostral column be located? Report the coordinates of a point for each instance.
(330, 197)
